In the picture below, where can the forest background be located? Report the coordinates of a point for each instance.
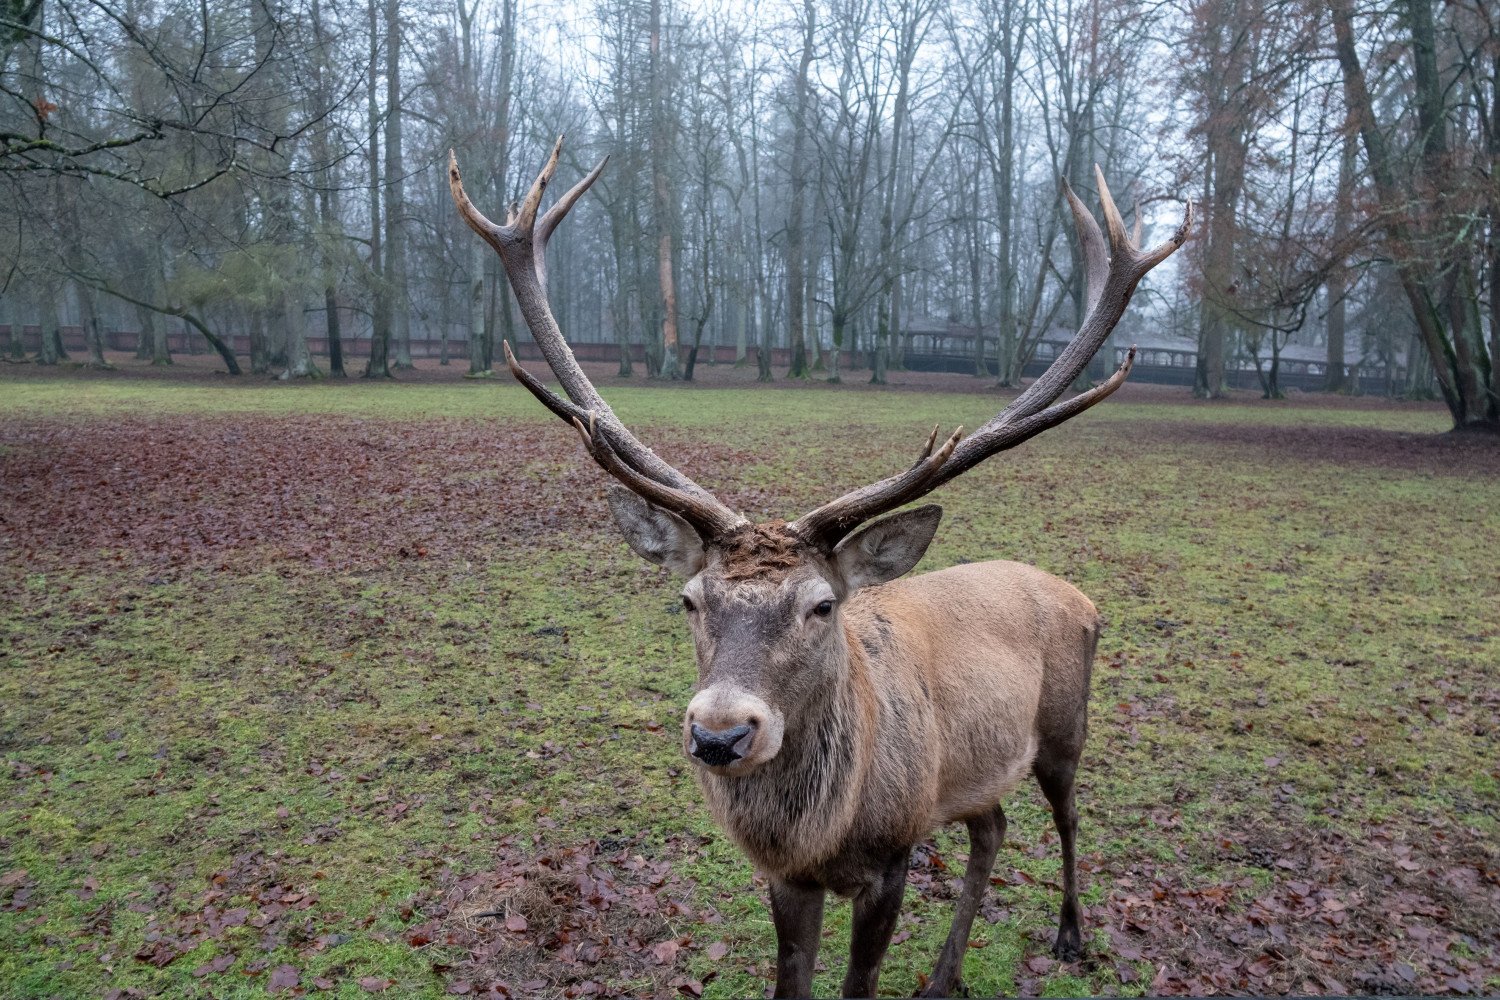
(807, 185)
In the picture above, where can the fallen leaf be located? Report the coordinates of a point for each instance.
(217, 964)
(283, 977)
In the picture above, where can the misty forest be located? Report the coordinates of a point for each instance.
(819, 188)
(333, 662)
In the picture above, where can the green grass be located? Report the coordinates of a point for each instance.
(1334, 614)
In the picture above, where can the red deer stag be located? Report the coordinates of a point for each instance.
(840, 715)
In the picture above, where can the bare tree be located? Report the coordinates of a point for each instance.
(1427, 213)
(796, 225)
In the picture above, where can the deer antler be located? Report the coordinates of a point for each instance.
(522, 246)
(1112, 275)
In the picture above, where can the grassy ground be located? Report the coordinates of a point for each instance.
(295, 681)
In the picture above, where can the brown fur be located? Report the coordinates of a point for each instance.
(760, 552)
(926, 701)
(978, 667)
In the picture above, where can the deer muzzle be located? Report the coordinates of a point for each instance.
(720, 749)
(730, 730)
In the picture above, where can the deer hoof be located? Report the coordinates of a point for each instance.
(941, 988)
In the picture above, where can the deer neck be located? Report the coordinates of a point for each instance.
(792, 813)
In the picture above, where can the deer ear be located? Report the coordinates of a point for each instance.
(658, 536)
(887, 548)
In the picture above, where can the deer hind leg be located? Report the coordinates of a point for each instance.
(1056, 778)
(875, 913)
(986, 834)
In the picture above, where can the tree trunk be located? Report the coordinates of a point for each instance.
(1227, 148)
(143, 343)
(503, 319)
(622, 340)
(378, 365)
(255, 322)
(93, 332)
(976, 301)
(708, 308)
(795, 237)
(1218, 267)
(335, 335)
(810, 317)
(1336, 379)
(1492, 246)
(763, 350)
(299, 363)
(226, 353)
(49, 350)
(17, 347)
(479, 349)
(146, 320)
(838, 323)
(1451, 352)
(330, 226)
(158, 349)
(1005, 196)
(889, 257)
(668, 367)
(762, 306)
(742, 326)
(395, 192)
(665, 209)
(161, 348)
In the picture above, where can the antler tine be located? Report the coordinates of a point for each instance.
(544, 395)
(1112, 278)
(996, 437)
(832, 521)
(709, 518)
(522, 245)
(931, 440)
(557, 213)
(525, 216)
(565, 204)
(473, 216)
(1119, 242)
(1170, 245)
(1095, 257)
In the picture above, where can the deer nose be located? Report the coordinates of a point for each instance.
(716, 749)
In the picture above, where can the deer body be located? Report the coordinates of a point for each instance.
(942, 691)
(858, 716)
(843, 713)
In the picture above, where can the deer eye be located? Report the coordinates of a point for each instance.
(824, 609)
(688, 605)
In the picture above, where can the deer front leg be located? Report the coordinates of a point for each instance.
(986, 834)
(875, 913)
(797, 912)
